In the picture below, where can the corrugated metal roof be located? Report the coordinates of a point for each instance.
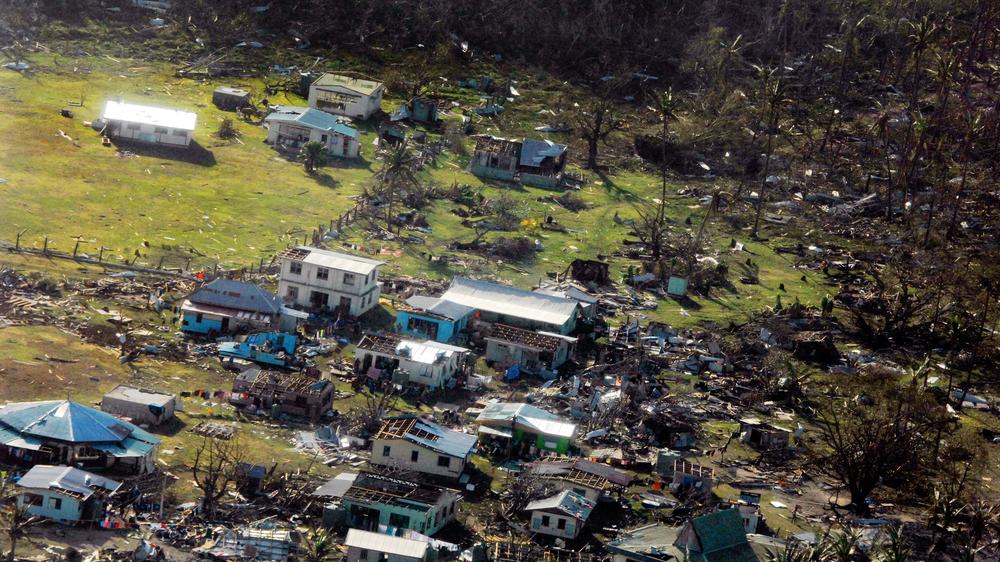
(359, 85)
(434, 305)
(441, 439)
(567, 502)
(388, 544)
(533, 418)
(69, 421)
(139, 396)
(510, 301)
(236, 295)
(534, 152)
(57, 478)
(336, 260)
(337, 486)
(427, 352)
(312, 118)
(149, 115)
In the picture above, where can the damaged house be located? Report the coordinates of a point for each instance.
(290, 127)
(223, 306)
(563, 515)
(428, 363)
(313, 278)
(64, 432)
(414, 444)
(365, 546)
(688, 476)
(526, 430)
(367, 500)
(763, 436)
(228, 98)
(495, 303)
(539, 353)
(343, 95)
(432, 318)
(64, 494)
(418, 110)
(538, 163)
(592, 480)
(289, 394)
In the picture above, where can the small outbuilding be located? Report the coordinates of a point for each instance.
(562, 515)
(230, 99)
(148, 124)
(139, 405)
(763, 436)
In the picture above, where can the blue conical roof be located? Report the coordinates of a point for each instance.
(63, 420)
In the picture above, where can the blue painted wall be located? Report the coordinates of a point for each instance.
(189, 323)
(69, 512)
(446, 329)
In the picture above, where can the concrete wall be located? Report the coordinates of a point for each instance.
(570, 530)
(426, 522)
(201, 323)
(446, 329)
(354, 555)
(148, 133)
(296, 135)
(361, 107)
(401, 453)
(69, 511)
(139, 413)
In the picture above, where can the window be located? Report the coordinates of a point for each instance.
(546, 521)
(319, 299)
(55, 503)
(363, 555)
(348, 279)
(444, 461)
(414, 455)
(386, 450)
(295, 268)
(199, 318)
(293, 293)
(161, 130)
(561, 525)
(323, 138)
(322, 273)
(33, 499)
(133, 126)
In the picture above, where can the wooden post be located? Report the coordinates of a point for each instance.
(75, 248)
(260, 268)
(187, 266)
(45, 250)
(160, 265)
(100, 256)
(215, 270)
(17, 243)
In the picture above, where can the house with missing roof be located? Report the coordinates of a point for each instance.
(344, 95)
(526, 430)
(539, 353)
(368, 500)
(588, 302)
(592, 480)
(418, 445)
(427, 363)
(562, 515)
(716, 537)
(538, 163)
(317, 279)
(365, 546)
(432, 318)
(139, 405)
(63, 432)
(148, 124)
(279, 393)
(223, 306)
(289, 127)
(64, 494)
(502, 304)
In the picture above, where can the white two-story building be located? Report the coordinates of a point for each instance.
(317, 279)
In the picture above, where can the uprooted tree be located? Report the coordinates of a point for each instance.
(15, 521)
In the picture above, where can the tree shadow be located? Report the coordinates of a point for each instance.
(324, 179)
(195, 153)
(613, 189)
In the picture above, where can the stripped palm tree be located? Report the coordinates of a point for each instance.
(319, 545)
(15, 521)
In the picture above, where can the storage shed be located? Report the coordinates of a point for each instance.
(140, 405)
(230, 99)
(153, 125)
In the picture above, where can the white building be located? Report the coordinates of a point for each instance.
(366, 546)
(414, 444)
(343, 95)
(139, 405)
(428, 363)
(314, 278)
(562, 515)
(291, 126)
(153, 125)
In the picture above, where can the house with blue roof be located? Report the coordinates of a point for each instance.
(290, 126)
(60, 432)
(432, 318)
(224, 306)
(418, 445)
